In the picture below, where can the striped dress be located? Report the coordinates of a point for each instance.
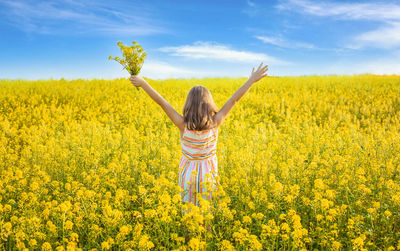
(198, 165)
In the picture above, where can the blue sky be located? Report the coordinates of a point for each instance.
(73, 39)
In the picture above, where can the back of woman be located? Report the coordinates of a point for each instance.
(199, 164)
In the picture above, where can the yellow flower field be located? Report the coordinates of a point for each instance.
(304, 162)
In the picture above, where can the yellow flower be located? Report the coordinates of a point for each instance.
(145, 243)
(226, 245)
(68, 225)
(333, 212)
(241, 236)
(254, 243)
(46, 246)
(176, 199)
(142, 190)
(336, 245)
(277, 188)
(74, 237)
(65, 206)
(258, 216)
(319, 184)
(34, 186)
(7, 226)
(330, 194)
(325, 204)
(32, 243)
(125, 230)
(7, 208)
(289, 198)
(246, 219)
(285, 237)
(165, 198)
(105, 245)
(251, 205)
(285, 227)
(376, 204)
(196, 244)
(359, 241)
(150, 213)
(51, 227)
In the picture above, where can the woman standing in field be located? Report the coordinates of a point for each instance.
(199, 133)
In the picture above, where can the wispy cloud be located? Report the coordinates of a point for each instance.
(284, 43)
(59, 17)
(387, 37)
(162, 70)
(388, 14)
(250, 3)
(371, 11)
(381, 66)
(208, 50)
(252, 9)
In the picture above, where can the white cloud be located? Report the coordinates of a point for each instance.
(250, 3)
(281, 42)
(370, 11)
(207, 50)
(386, 37)
(163, 70)
(60, 17)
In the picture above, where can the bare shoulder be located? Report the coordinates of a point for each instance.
(215, 125)
(181, 124)
(218, 118)
(182, 127)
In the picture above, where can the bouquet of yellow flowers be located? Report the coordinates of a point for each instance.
(132, 59)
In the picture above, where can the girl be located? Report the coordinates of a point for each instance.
(199, 132)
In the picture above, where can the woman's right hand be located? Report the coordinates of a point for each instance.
(257, 75)
(137, 80)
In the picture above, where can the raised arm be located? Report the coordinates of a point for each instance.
(176, 118)
(254, 77)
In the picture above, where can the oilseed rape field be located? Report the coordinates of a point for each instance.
(304, 163)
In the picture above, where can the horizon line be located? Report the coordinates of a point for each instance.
(186, 78)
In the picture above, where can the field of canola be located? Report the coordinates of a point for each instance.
(304, 163)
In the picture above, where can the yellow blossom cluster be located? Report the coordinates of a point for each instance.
(132, 57)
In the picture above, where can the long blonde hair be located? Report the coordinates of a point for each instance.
(199, 109)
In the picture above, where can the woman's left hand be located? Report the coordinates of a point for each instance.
(259, 74)
(137, 81)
